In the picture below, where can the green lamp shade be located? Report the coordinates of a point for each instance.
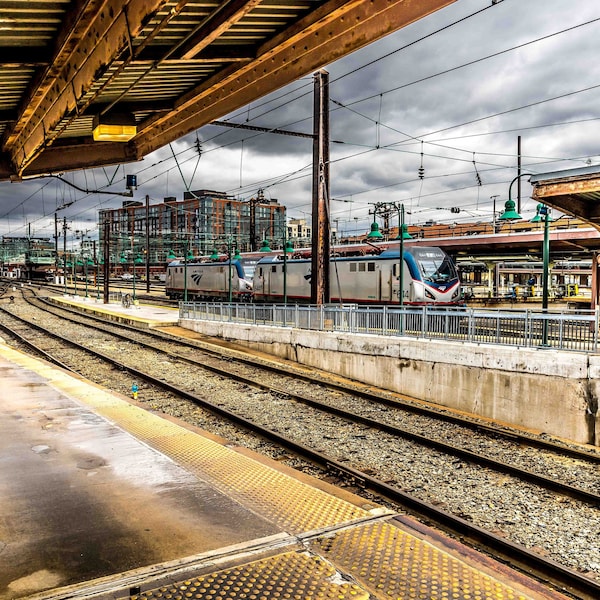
(288, 247)
(374, 234)
(510, 213)
(405, 234)
(237, 255)
(214, 255)
(542, 212)
(265, 246)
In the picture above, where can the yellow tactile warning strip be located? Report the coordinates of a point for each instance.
(292, 504)
(288, 576)
(392, 563)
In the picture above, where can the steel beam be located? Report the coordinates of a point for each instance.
(102, 31)
(328, 33)
(577, 197)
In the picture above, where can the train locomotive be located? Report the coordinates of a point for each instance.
(429, 277)
(218, 281)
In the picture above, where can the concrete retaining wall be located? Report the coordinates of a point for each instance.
(540, 389)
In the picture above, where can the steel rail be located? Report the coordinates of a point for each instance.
(398, 403)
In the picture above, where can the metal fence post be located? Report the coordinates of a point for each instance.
(596, 317)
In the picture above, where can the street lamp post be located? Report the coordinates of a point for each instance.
(401, 261)
(85, 274)
(185, 284)
(230, 291)
(543, 213)
(546, 254)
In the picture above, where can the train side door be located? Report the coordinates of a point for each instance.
(407, 283)
(259, 280)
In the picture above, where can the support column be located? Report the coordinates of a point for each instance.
(595, 280)
(319, 283)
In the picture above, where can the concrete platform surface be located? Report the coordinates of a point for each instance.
(148, 314)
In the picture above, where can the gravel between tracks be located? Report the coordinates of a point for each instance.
(559, 527)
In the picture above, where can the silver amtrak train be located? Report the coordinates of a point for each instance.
(429, 277)
(208, 281)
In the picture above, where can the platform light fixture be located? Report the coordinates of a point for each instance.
(510, 214)
(113, 128)
(543, 214)
(374, 234)
(405, 235)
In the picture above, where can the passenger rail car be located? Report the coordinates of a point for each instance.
(207, 281)
(429, 278)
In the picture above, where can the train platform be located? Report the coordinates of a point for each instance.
(104, 499)
(143, 315)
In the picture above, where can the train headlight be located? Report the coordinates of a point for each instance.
(429, 295)
(456, 293)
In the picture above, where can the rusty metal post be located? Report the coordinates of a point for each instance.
(106, 250)
(319, 283)
(519, 174)
(147, 244)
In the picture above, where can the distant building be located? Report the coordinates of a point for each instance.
(204, 221)
(299, 233)
(26, 257)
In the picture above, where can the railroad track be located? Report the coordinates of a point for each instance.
(361, 474)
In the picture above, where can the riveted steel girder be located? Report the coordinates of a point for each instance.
(577, 197)
(129, 56)
(330, 32)
(89, 44)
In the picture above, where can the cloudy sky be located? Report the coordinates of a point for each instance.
(451, 93)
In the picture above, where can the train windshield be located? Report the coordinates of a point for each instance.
(435, 265)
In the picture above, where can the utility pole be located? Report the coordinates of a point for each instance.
(320, 291)
(106, 250)
(253, 202)
(65, 252)
(147, 244)
(319, 282)
(519, 174)
(55, 248)
(494, 212)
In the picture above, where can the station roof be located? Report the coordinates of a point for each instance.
(166, 67)
(574, 192)
(563, 242)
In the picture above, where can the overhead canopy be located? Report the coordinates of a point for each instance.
(151, 71)
(574, 192)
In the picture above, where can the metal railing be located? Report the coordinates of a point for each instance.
(568, 330)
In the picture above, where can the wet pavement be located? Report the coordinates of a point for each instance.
(82, 499)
